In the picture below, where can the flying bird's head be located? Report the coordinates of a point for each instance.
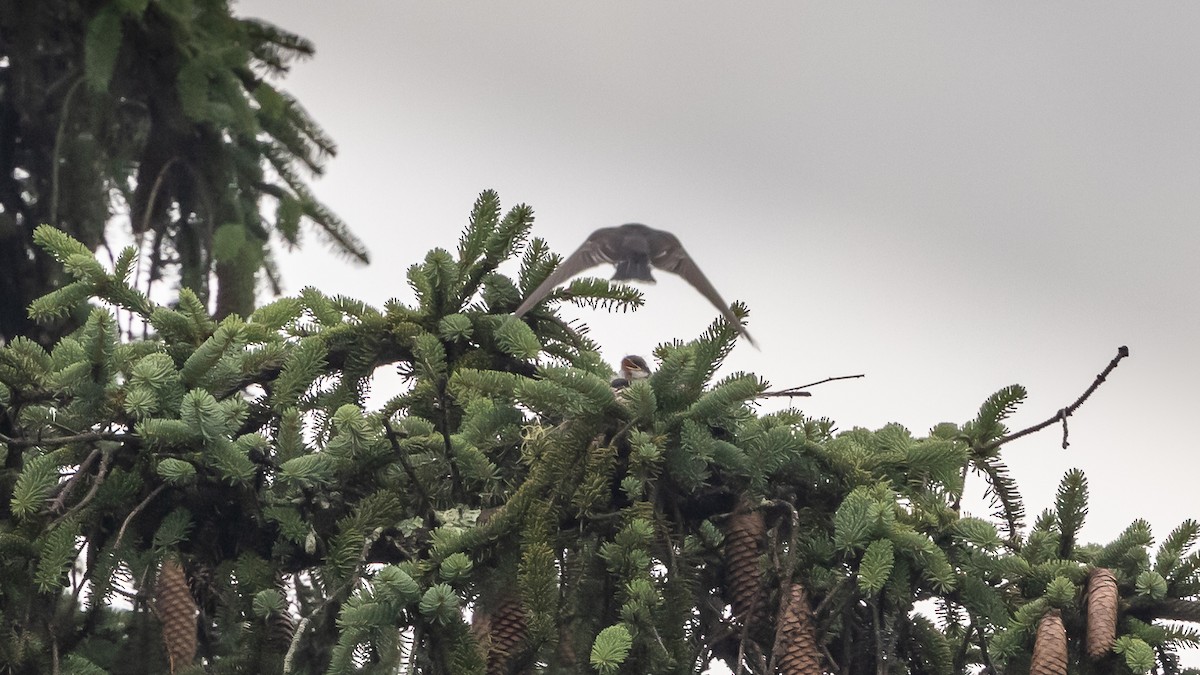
(634, 249)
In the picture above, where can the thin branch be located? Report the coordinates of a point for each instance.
(961, 657)
(105, 461)
(412, 474)
(877, 630)
(295, 644)
(755, 603)
(154, 190)
(790, 393)
(136, 510)
(833, 665)
(67, 440)
(983, 652)
(1066, 412)
(455, 476)
(837, 587)
(741, 654)
(798, 391)
(54, 158)
(86, 465)
(290, 656)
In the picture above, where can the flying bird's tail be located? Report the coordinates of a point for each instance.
(633, 270)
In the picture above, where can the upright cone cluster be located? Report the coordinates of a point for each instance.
(501, 633)
(177, 612)
(744, 539)
(1050, 647)
(796, 651)
(1102, 599)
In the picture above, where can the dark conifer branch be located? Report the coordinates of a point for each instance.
(1175, 609)
(54, 441)
(1066, 412)
(402, 457)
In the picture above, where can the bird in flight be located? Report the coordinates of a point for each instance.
(634, 249)
(633, 368)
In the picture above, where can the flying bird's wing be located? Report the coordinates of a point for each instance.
(668, 254)
(588, 255)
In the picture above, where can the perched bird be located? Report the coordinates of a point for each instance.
(633, 368)
(634, 249)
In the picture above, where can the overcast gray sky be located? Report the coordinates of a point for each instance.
(948, 197)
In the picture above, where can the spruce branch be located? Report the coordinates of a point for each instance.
(390, 348)
(799, 391)
(1066, 412)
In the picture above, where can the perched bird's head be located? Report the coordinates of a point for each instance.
(633, 368)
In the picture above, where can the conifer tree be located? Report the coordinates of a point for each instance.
(508, 511)
(151, 119)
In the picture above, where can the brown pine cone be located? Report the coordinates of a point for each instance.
(501, 633)
(177, 612)
(796, 650)
(744, 539)
(1102, 600)
(1050, 647)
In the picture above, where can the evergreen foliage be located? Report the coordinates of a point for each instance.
(154, 120)
(507, 511)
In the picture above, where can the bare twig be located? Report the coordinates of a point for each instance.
(55, 157)
(983, 651)
(105, 461)
(154, 190)
(355, 577)
(829, 596)
(741, 655)
(833, 665)
(799, 391)
(1066, 412)
(136, 510)
(86, 465)
(960, 656)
